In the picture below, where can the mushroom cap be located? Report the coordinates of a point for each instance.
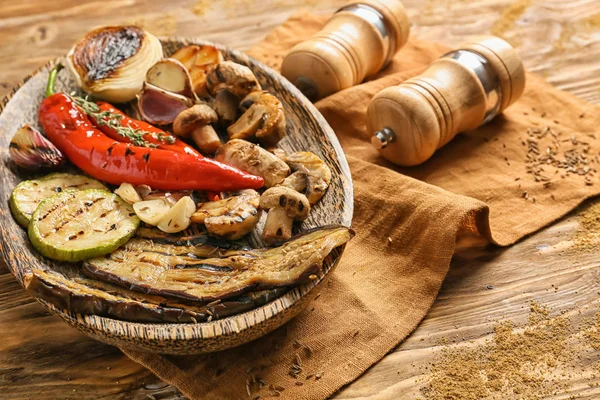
(197, 115)
(263, 116)
(295, 204)
(236, 78)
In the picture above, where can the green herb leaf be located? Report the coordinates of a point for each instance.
(113, 121)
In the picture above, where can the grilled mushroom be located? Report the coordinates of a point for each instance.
(232, 217)
(263, 117)
(195, 122)
(226, 105)
(238, 79)
(285, 206)
(311, 175)
(229, 82)
(254, 159)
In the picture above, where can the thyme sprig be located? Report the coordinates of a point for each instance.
(113, 121)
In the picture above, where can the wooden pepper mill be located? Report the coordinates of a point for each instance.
(458, 92)
(358, 40)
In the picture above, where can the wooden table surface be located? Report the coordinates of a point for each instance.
(43, 358)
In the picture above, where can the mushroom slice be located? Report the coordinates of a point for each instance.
(230, 218)
(253, 159)
(235, 78)
(285, 206)
(171, 75)
(159, 106)
(263, 117)
(198, 60)
(226, 105)
(311, 175)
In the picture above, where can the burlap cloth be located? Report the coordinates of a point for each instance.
(382, 289)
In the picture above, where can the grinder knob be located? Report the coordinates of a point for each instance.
(458, 92)
(358, 40)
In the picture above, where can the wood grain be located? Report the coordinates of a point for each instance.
(556, 39)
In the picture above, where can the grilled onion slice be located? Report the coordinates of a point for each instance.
(111, 62)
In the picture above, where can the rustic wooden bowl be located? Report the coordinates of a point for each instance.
(307, 130)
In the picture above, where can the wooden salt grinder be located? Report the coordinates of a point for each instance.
(358, 40)
(458, 92)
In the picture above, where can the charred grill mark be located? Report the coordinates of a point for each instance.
(146, 156)
(87, 205)
(109, 150)
(129, 152)
(56, 207)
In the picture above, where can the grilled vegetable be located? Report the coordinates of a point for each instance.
(237, 79)
(170, 74)
(177, 218)
(231, 218)
(263, 117)
(122, 128)
(198, 60)
(30, 150)
(89, 296)
(128, 193)
(196, 122)
(285, 206)
(159, 106)
(115, 162)
(311, 175)
(76, 225)
(254, 159)
(184, 276)
(151, 211)
(111, 62)
(27, 195)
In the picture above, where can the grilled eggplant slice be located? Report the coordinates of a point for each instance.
(177, 274)
(89, 296)
(76, 225)
(27, 195)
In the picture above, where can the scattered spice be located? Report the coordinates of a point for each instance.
(588, 234)
(514, 362)
(548, 154)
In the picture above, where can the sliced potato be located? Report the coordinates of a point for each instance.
(198, 60)
(170, 74)
(151, 211)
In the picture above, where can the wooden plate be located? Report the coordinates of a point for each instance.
(307, 130)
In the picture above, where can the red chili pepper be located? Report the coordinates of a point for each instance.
(116, 162)
(156, 136)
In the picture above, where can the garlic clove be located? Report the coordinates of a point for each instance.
(111, 62)
(128, 193)
(29, 149)
(151, 211)
(170, 197)
(178, 217)
(159, 106)
(171, 75)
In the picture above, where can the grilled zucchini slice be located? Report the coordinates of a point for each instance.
(77, 225)
(29, 194)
